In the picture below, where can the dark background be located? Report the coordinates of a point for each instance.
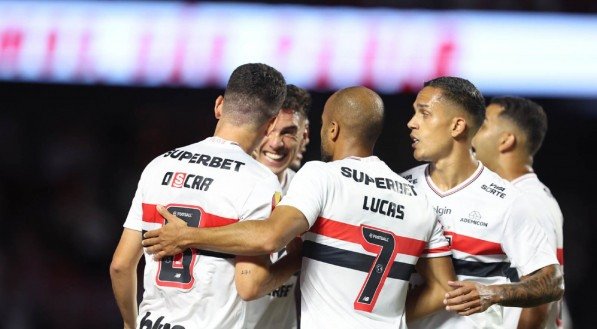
(72, 156)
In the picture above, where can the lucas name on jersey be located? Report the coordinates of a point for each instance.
(205, 160)
(384, 207)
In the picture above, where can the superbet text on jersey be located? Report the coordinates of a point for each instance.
(491, 227)
(368, 228)
(210, 183)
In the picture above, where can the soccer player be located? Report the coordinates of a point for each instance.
(365, 227)
(214, 182)
(511, 135)
(488, 222)
(277, 151)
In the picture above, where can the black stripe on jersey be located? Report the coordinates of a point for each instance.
(478, 269)
(352, 260)
(512, 274)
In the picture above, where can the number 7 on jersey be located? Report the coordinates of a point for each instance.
(383, 243)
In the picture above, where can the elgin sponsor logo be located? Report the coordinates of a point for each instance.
(181, 179)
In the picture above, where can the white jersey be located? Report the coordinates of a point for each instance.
(552, 221)
(276, 310)
(490, 227)
(288, 176)
(210, 183)
(368, 228)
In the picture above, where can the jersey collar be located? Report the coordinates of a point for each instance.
(456, 188)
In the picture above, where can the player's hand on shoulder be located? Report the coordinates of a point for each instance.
(469, 297)
(167, 240)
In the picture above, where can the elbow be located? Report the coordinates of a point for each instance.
(118, 268)
(559, 277)
(248, 292)
(271, 243)
(558, 283)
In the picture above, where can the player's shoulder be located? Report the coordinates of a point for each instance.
(316, 165)
(317, 170)
(492, 185)
(530, 183)
(414, 174)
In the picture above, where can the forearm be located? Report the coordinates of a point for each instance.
(423, 301)
(429, 298)
(256, 276)
(281, 271)
(247, 238)
(543, 286)
(124, 285)
(533, 317)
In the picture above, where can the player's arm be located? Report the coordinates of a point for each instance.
(527, 246)
(255, 276)
(542, 286)
(123, 272)
(534, 317)
(248, 238)
(428, 298)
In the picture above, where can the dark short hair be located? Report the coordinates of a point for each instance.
(298, 100)
(526, 115)
(464, 94)
(254, 94)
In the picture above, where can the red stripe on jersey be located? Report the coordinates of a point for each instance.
(472, 245)
(560, 255)
(437, 250)
(151, 215)
(352, 233)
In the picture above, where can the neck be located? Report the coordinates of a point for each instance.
(245, 137)
(281, 175)
(512, 166)
(343, 150)
(450, 171)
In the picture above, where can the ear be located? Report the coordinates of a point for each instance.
(218, 107)
(458, 127)
(507, 142)
(305, 136)
(334, 130)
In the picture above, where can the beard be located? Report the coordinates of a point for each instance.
(325, 156)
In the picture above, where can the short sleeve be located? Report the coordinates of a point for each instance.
(307, 191)
(438, 245)
(134, 219)
(525, 243)
(261, 199)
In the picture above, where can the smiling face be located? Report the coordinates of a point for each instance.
(431, 126)
(486, 141)
(279, 147)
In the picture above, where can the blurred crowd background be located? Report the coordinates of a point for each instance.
(72, 155)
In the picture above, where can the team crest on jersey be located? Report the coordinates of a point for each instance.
(276, 198)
